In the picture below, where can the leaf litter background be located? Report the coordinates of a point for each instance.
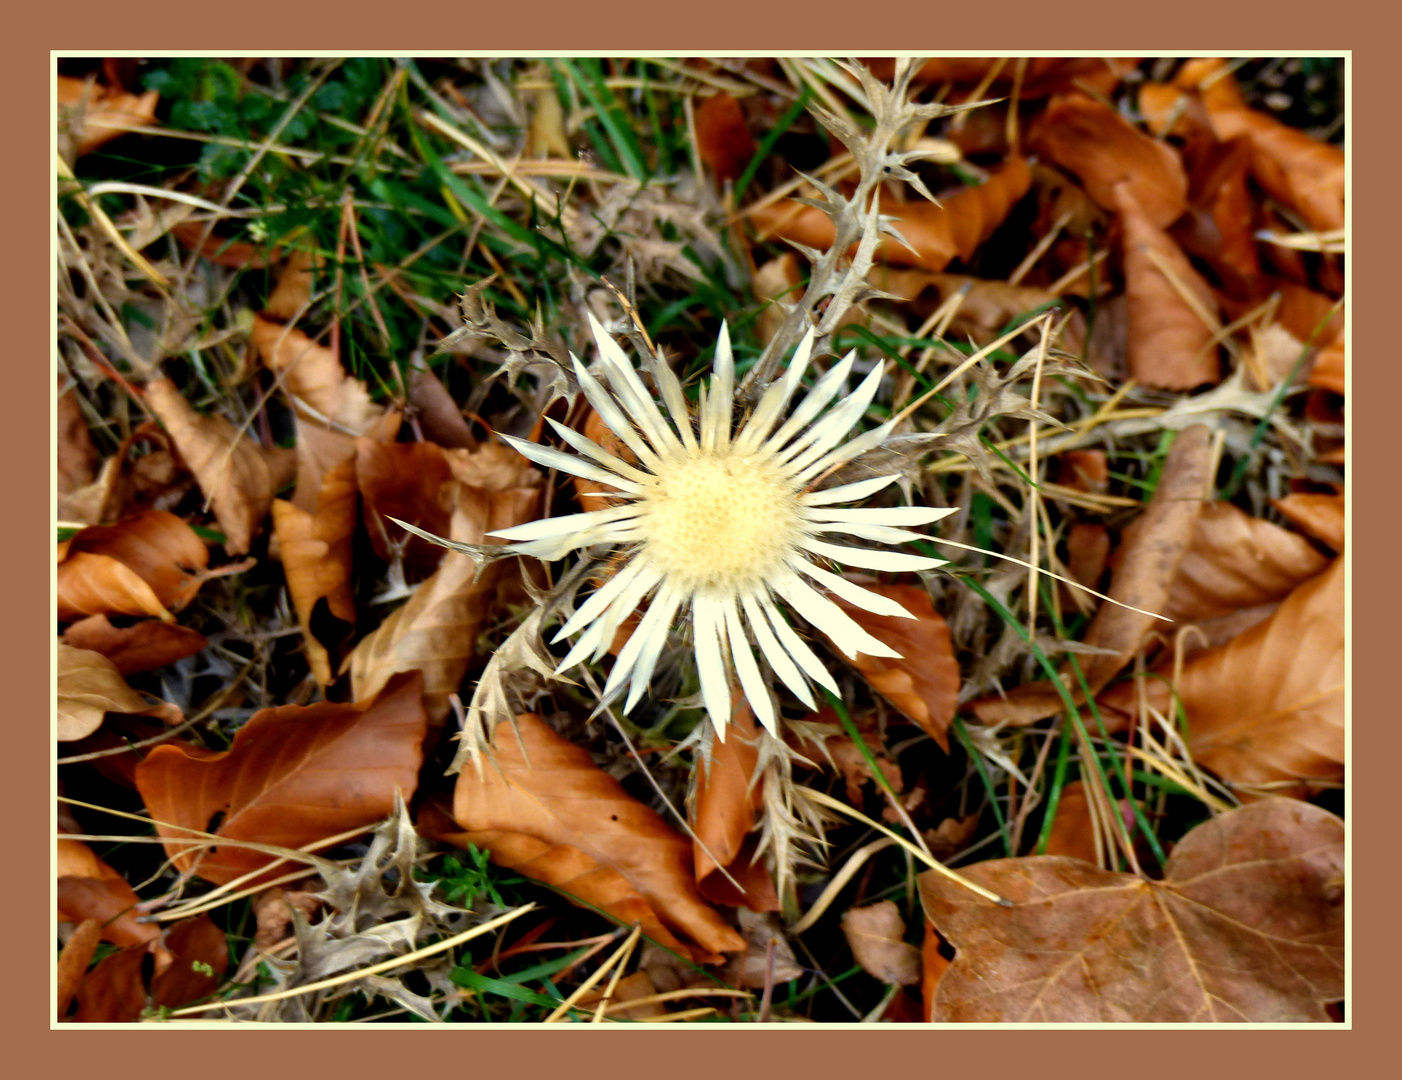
(299, 299)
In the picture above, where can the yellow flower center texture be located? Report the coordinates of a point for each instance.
(713, 519)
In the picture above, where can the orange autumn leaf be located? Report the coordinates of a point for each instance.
(1319, 516)
(1266, 708)
(294, 774)
(1107, 154)
(1329, 371)
(936, 234)
(88, 888)
(722, 138)
(576, 875)
(316, 551)
(238, 476)
(91, 114)
(1039, 76)
(160, 548)
(547, 788)
(144, 646)
(723, 815)
(924, 683)
(1221, 211)
(1170, 340)
(313, 377)
(411, 482)
(876, 936)
(1246, 925)
(1303, 173)
(1238, 561)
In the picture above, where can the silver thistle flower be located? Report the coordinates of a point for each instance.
(724, 523)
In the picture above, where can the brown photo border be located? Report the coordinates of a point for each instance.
(1010, 27)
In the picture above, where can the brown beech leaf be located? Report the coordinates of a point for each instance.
(722, 138)
(90, 889)
(576, 875)
(723, 815)
(295, 774)
(1096, 143)
(1143, 580)
(162, 550)
(1038, 75)
(545, 787)
(937, 234)
(1170, 343)
(1303, 173)
(924, 683)
(145, 646)
(768, 958)
(933, 966)
(200, 956)
(435, 631)
(90, 686)
(114, 991)
(1246, 925)
(1238, 561)
(73, 962)
(316, 551)
(411, 482)
(1267, 708)
(1319, 516)
(1329, 371)
(313, 377)
(91, 584)
(1218, 225)
(238, 476)
(91, 114)
(438, 414)
(876, 936)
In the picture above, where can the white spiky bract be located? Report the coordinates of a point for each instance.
(723, 523)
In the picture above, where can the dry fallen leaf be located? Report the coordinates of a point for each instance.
(1144, 580)
(313, 377)
(316, 552)
(144, 646)
(1247, 925)
(1099, 146)
(1267, 708)
(1237, 561)
(438, 413)
(435, 631)
(411, 482)
(1218, 227)
(200, 956)
(722, 138)
(295, 774)
(73, 963)
(91, 114)
(157, 547)
(1303, 173)
(88, 888)
(723, 815)
(1329, 371)
(114, 991)
(876, 936)
(1170, 339)
(238, 477)
(924, 683)
(1319, 516)
(90, 686)
(549, 789)
(936, 234)
(99, 584)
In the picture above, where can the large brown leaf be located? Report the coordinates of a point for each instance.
(728, 795)
(562, 867)
(924, 683)
(1301, 172)
(435, 631)
(1144, 579)
(157, 547)
(145, 646)
(937, 234)
(545, 787)
(1320, 516)
(1096, 143)
(91, 584)
(316, 551)
(411, 482)
(1170, 343)
(1247, 925)
(91, 113)
(88, 888)
(294, 775)
(1238, 561)
(90, 686)
(722, 138)
(238, 476)
(313, 377)
(1268, 706)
